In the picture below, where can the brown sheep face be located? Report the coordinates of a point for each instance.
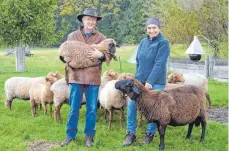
(125, 76)
(128, 87)
(112, 48)
(53, 77)
(110, 75)
(175, 77)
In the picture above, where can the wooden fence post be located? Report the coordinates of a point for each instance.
(211, 64)
(206, 66)
(20, 59)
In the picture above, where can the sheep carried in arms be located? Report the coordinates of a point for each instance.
(74, 53)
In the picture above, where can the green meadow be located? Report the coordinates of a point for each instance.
(18, 128)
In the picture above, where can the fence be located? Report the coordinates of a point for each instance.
(217, 69)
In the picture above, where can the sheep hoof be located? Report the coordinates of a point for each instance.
(202, 139)
(188, 137)
(161, 147)
(9, 103)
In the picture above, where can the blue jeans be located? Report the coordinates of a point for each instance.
(132, 114)
(75, 99)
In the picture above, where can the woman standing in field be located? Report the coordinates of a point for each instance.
(152, 55)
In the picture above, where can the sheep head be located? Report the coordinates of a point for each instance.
(108, 47)
(53, 77)
(128, 87)
(110, 75)
(125, 76)
(175, 77)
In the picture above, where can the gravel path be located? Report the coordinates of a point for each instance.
(218, 114)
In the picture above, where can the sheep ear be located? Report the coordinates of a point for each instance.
(46, 79)
(110, 73)
(129, 82)
(115, 58)
(136, 90)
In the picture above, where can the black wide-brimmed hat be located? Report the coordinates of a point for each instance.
(89, 12)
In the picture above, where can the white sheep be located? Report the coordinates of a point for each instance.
(40, 93)
(191, 79)
(61, 92)
(18, 87)
(112, 99)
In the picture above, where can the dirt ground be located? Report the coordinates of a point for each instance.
(41, 145)
(218, 114)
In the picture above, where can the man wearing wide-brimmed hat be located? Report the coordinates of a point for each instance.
(86, 80)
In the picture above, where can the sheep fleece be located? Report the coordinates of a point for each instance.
(180, 105)
(75, 54)
(18, 87)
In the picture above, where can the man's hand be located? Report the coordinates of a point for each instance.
(148, 86)
(96, 54)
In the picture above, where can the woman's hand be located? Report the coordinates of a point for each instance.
(148, 86)
(94, 54)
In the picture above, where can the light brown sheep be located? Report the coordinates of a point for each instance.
(175, 107)
(40, 93)
(74, 53)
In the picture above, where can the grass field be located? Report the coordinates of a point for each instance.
(18, 128)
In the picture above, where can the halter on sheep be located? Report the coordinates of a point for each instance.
(175, 107)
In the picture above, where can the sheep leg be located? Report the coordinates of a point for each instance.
(105, 114)
(161, 130)
(36, 107)
(121, 118)
(203, 125)
(98, 105)
(33, 108)
(9, 104)
(110, 118)
(57, 112)
(50, 105)
(190, 126)
(58, 115)
(40, 106)
(44, 107)
(140, 121)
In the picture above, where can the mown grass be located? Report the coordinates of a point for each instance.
(18, 127)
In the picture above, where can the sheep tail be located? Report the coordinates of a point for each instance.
(209, 100)
(197, 121)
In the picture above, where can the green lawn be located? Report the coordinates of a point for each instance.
(18, 127)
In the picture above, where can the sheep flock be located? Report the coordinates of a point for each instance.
(182, 102)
